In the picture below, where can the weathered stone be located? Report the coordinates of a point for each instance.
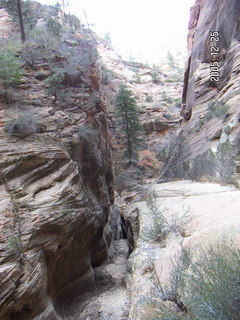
(200, 96)
(6, 24)
(56, 190)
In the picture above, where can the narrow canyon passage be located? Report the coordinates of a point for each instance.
(195, 214)
(111, 169)
(109, 300)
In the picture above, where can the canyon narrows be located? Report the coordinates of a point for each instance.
(87, 234)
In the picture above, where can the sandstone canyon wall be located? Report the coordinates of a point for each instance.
(56, 189)
(207, 144)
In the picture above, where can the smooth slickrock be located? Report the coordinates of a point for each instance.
(197, 214)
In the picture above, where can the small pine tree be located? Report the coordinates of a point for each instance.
(129, 121)
(55, 88)
(10, 71)
(171, 61)
(107, 38)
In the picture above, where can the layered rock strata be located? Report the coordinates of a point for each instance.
(208, 140)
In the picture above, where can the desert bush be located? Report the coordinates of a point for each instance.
(126, 179)
(228, 129)
(40, 45)
(121, 182)
(106, 75)
(166, 97)
(170, 80)
(206, 287)
(10, 71)
(107, 39)
(41, 74)
(54, 27)
(137, 77)
(23, 125)
(73, 21)
(216, 110)
(31, 53)
(15, 245)
(163, 224)
(162, 155)
(147, 159)
(177, 102)
(55, 87)
(167, 116)
(155, 76)
(81, 57)
(86, 132)
(149, 98)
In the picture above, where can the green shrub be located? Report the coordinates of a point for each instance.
(82, 57)
(155, 77)
(170, 80)
(137, 77)
(217, 110)
(126, 179)
(149, 98)
(40, 45)
(10, 70)
(228, 129)
(167, 116)
(107, 39)
(31, 53)
(177, 102)
(166, 97)
(23, 125)
(73, 21)
(55, 87)
(41, 75)
(156, 68)
(54, 27)
(162, 155)
(15, 245)
(86, 132)
(106, 75)
(171, 61)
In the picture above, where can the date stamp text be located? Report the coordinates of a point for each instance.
(215, 56)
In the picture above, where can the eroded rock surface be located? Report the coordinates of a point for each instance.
(52, 224)
(56, 189)
(208, 140)
(6, 24)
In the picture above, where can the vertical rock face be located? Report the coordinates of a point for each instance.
(56, 188)
(208, 141)
(53, 213)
